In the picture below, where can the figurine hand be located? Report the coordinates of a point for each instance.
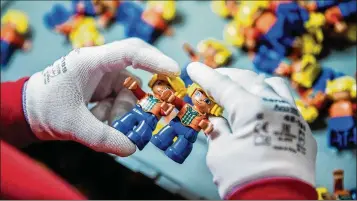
(167, 108)
(103, 22)
(283, 69)
(55, 100)
(206, 126)
(340, 27)
(130, 83)
(168, 96)
(27, 45)
(256, 137)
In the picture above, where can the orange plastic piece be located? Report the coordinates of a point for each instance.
(155, 19)
(333, 15)
(265, 22)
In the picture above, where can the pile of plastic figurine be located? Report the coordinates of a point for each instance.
(81, 23)
(284, 38)
(287, 38)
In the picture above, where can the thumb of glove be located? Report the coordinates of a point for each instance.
(99, 136)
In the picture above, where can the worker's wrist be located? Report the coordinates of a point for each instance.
(16, 129)
(273, 188)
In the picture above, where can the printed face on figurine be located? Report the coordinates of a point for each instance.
(341, 95)
(201, 101)
(161, 86)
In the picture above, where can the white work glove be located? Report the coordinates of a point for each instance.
(246, 146)
(55, 100)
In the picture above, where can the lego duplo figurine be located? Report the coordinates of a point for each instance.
(339, 192)
(106, 10)
(139, 124)
(190, 120)
(342, 129)
(211, 52)
(310, 79)
(226, 8)
(14, 28)
(336, 11)
(153, 22)
(86, 34)
(80, 30)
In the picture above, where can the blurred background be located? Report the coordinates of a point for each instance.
(218, 33)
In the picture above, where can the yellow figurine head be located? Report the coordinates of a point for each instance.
(233, 34)
(342, 84)
(175, 82)
(247, 10)
(215, 109)
(222, 55)
(167, 8)
(322, 192)
(307, 72)
(17, 18)
(86, 33)
(221, 8)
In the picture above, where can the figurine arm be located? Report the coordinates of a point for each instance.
(18, 41)
(138, 93)
(179, 103)
(206, 126)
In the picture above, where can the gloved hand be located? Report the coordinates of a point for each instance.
(55, 100)
(263, 136)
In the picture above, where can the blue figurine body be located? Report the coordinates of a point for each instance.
(141, 121)
(186, 126)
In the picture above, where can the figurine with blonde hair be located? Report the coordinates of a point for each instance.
(190, 120)
(79, 29)
(225, 8)
(86, 34)
(309, 79)
(154, 21)
(212, 52)
(138, 124)
(106, 10)
(14, 27)
(342, 119)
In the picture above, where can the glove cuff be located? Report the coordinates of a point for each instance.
(285, 188)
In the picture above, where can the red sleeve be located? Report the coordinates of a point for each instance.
(23, 179)
(179, 103)
(274, 189)
(138, 93)
(15, 129)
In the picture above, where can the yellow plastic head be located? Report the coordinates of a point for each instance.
(18, 18)
(84, 32)
(248, 9)
(233, 34)
(220, 8)
(345, 83)
(175, 82)
(168, 8)
(310, 69)
(216, 109)
(321, 191)
(223, 53)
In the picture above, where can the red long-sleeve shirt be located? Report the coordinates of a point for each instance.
(23, 178)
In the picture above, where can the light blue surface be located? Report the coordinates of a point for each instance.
(198, 22)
